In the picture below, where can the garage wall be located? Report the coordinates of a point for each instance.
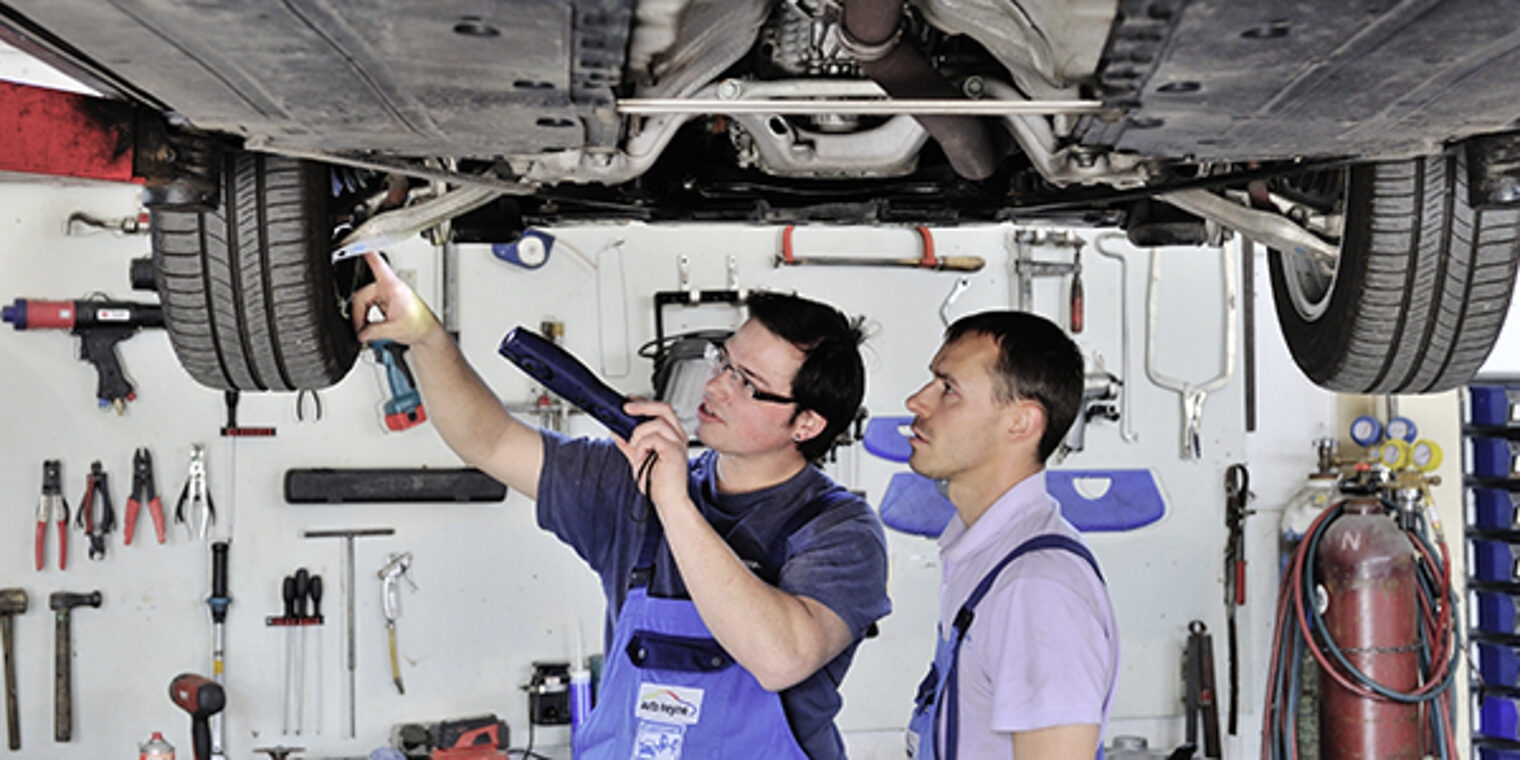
(496, 593)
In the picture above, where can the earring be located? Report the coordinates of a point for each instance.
(796, 438)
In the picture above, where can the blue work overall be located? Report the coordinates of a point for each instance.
(671, 691)
(937, 694)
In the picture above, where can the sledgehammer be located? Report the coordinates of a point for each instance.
(12, 603)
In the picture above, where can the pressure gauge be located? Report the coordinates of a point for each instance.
(1403, 429)
(1425, 455)
(1395, 454)
(1366, 430)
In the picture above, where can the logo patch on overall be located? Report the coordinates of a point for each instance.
(669, 704)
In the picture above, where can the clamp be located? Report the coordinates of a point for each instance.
(84, 519)
(143, 492)
(1193, 395)
(195, 492)
(52, 507)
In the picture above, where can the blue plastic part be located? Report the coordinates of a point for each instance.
(1490, 405)
(1497, 718)
(15, 314)
(1498, 663)
(1496, 612)
(1402, 428)
(1132, 500)
(885, 438)
(1366, 430)
(508, 251)
(1493, 561)
(1493, 509)
(1492, 457)
(913, 503)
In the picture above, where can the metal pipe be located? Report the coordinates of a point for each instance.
(1271, 229)
(825, 106)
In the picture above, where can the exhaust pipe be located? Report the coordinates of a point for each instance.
(873, 33)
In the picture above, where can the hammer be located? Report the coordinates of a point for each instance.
(61, 603)
(202, 698)
(12, 602)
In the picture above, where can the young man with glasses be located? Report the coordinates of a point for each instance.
(738, 583)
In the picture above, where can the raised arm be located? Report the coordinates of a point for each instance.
(468, 416)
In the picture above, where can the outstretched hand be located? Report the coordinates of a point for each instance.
(404, 317)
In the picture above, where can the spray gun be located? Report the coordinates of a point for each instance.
(399, 566)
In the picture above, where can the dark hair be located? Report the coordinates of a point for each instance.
(1036, 361)
(832, 378)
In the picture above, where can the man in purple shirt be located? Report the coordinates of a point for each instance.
(1028, 651)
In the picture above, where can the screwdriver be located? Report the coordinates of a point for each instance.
(288, 593)
(303, 581)
(314, 590)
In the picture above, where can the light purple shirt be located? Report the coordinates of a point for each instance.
(1043, 649)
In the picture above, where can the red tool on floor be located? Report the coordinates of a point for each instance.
(143, 492)
(52, 507)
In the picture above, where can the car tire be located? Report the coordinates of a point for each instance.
(1420, 289)
(248, 289)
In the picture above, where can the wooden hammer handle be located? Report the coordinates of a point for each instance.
(12, 715)
(63, 703)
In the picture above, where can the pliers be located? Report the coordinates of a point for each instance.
(143, 491)
(195, 492)
(95, 485)
(52, 506)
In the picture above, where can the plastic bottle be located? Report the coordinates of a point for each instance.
(156, 748)
(580, 697)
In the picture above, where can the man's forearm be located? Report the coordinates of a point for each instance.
(778, 637)
(470, 418)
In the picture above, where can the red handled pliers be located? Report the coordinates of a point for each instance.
(53, 507)
(143, 492)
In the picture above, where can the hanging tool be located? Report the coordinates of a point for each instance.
(100, 325)
(348, 537)
(314, 593)
(219, 601)
(316, 405)
(280, 752)
(926, 260)
(1198, 675)
(1023, 268)
(95, 485)
(293, 590)
(143, 492)
(202, 698)
(232, 429)
(1192, 396)
(1126, 422)
(399, 566)
(194, 491)
(62, 604)
(956, 291)
(52, 507)
(301, 587)
(12, 603)
(1237, 489)
(404, 408)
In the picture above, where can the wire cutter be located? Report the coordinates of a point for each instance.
(84, 518)
(195, 491)
(143, 491)
(53, 507)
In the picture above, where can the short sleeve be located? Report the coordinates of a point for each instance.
(1042, 651)
(840, 559)
(581, 484)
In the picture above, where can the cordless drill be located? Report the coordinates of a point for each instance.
(202, 698)
(100, 325)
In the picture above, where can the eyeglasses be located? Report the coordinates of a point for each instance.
(717, 362)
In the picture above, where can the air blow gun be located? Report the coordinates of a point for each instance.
(404, 408)
(100, 325)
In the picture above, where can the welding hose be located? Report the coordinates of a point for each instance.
(1306, 630)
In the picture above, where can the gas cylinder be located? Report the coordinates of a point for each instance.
(1366, 570)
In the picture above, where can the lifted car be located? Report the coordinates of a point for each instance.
(1372, 145)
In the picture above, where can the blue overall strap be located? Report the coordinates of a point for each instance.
(967, 613)
(643, 570)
